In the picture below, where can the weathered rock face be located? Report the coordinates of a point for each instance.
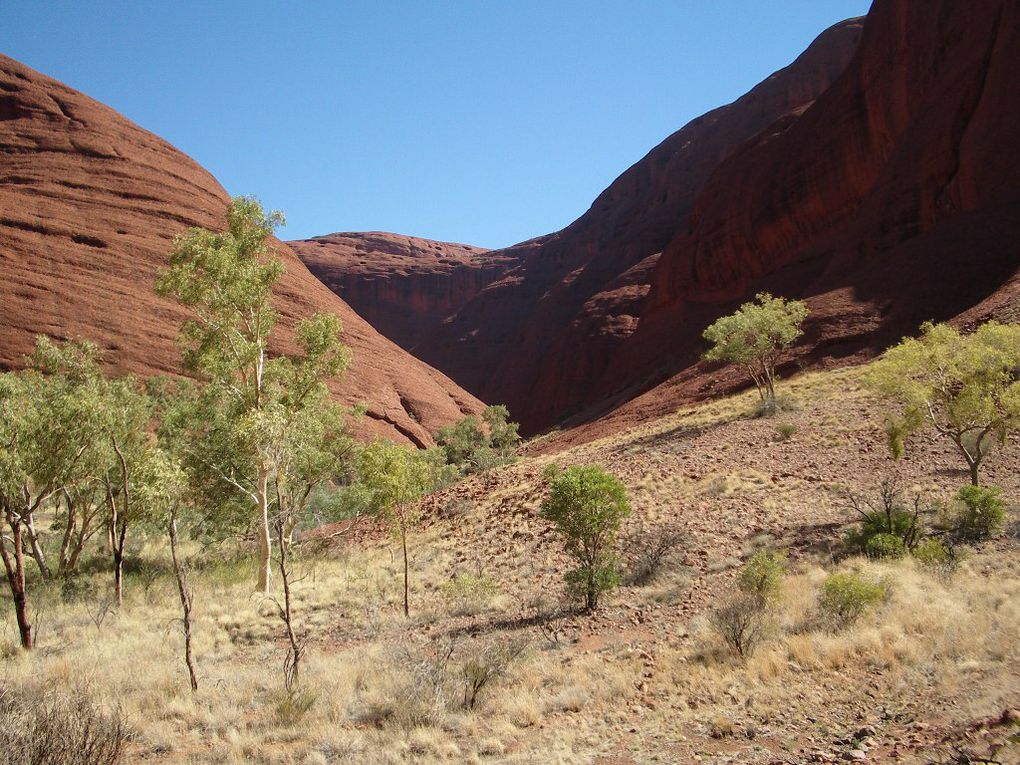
(877, 177)
(402, 285)
(893, 199)
(542, 337)
(89, 205)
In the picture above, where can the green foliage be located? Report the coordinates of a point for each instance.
(755, 336)
(844, 598)
(587, 505)
(785, 431)
(981, 512)
(934, 553)
(461, 440)
(394, 477)
(887, 514)
(474, 448)
(884, 545)
(503, 435)
(762, 576)
(261, 434)
(965, 387)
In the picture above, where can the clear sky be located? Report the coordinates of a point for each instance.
(482, 121)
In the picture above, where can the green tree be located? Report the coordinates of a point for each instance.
(474, 445)
(587, 505)
(964, 387)
(503, 435)
(245, 432)
(755, 336)
(49, 432)
(461, 440)
(395, 477)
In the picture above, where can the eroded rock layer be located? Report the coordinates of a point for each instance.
(877, 177)
(403, 286)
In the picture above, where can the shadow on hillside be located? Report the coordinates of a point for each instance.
(665, 441)
(546, 620)
(825, 539)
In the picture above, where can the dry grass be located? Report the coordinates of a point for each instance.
(646, 678)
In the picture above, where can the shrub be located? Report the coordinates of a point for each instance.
(742, 622)
(845, 597)
(587, 504)
(884, 545)
(647, 551)
(981, 512)
(888, 513)
(935, 554)
(68, 729)
(785, 431)
(485, 667)
(469, 594)
(294, 705)
(474, 445)
(762, 576)
(770, 407)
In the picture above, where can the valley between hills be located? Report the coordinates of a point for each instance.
(804, 568)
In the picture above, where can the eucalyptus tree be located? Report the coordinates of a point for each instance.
(251, 400)
(965, 388)
(755, 336)
(395, 477)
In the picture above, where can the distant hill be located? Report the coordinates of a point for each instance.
(89, 206)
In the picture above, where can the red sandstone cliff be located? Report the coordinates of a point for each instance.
(402, 285)
(541, 338)
(89, 204)
(877, 177)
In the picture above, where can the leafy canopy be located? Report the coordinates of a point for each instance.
(756, 336)
(587, 505)
(965, 387)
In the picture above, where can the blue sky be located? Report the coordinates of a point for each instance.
(485, 122)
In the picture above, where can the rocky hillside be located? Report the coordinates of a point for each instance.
(402, 285)
(876, 177)
(89, 205)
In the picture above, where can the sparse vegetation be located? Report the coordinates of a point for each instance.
(964, 387)
(756, 336)
(587, 504)
(60, 728)
(980, 513)
(365, 681)
(845, 597)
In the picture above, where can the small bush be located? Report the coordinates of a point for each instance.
(743, 623)
(294, 705)
(935, 554)
(647, 552)
(488, 665)
(770, 407)
(981, 512)
(887, 513)
(470, 594)
(884, 545)
(456, 507)
(762, 576)
(845, 597)
(785, 431)
(67, 729)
